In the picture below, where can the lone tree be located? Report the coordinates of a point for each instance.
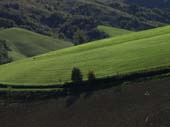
(76, 75)
(91, 76)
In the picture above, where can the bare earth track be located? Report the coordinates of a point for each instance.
(144, 104)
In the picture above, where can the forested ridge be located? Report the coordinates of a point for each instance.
(77, 20)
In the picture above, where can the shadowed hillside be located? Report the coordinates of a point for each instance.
(144, 104)
(151, 3)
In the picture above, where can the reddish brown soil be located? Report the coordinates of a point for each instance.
(145, 104)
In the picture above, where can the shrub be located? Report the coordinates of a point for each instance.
(4, 58)
(76, 75)
(91, 76)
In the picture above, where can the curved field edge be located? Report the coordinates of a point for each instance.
(120, 55)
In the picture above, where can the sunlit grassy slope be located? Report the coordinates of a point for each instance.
(24, 43)
(128, 53)
(113, 32)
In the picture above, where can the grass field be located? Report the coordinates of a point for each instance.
(113, 32)
(118, 55)
(24, 43)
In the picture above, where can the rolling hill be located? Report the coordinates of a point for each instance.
(132, 52)
(24, 43)
(112, 31)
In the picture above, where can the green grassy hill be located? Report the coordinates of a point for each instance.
(112, 31)
(24, 43)
(119, 55)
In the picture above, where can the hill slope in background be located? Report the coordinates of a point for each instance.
(151, 3)
(23, 43)
(77, 20)
(112, 31)
(119, 55)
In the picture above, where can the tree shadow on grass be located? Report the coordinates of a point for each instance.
(87, 94)
(72, 100)
(117, 90)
